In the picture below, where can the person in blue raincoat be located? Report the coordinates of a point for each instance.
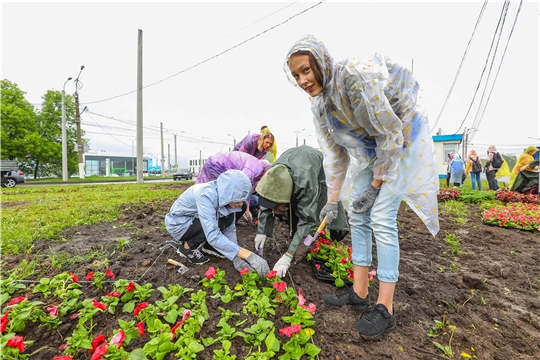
(457, 169)
(378, 151)
(203, 217)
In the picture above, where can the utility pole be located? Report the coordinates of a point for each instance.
(64, 136)
(169, 158)
(140, 167)
(200, 160)
(175, 154)
(78, 122)
(162, 152)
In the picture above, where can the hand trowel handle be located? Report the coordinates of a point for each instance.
(171, 261)
(322, 226)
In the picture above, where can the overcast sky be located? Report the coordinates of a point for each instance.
(216, 68)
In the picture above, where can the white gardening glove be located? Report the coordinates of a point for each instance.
(259, 241)
(329, 210)
(282, 265)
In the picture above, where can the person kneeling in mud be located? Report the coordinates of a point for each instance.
(295, 187)
(203, 217)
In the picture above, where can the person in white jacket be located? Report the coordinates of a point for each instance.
(203, 218)
(378, 151)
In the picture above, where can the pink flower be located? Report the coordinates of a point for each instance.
(16, 300)
(63, 347)
(211, 272)
(244, 271)
(280, 286)
(139, 307)
(290, 330)
(52, 310)
(74, 316)
(318, 266)
(16, 342)
(114, 294)
(140, 328)
(302, 300)
(372, 274)
(130, 286)
(187, 313)
(100, 351)
(74, 277)
(3, 322)
(109, 274)
(118, 338)
(271, 274)
(98, 305)
(90, 276)
(62, 357)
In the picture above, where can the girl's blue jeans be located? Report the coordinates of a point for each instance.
(475, 179)
(381, 221)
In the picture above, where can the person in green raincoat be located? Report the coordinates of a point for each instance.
(295, 187)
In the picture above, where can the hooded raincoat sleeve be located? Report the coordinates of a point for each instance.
(369, 115)
(249, 145)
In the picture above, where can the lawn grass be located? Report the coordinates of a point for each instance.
(40, 212)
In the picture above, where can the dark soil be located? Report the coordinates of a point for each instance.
(490, 291)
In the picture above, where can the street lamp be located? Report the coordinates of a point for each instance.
(306, 138)
(200, 159)
(64, 136)
(298, 132)
(78, 121)
(234, 140)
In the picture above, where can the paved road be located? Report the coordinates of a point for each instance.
(96, 182)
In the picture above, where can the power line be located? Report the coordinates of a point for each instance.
(213, 57)
(461, 64)
(485, 66)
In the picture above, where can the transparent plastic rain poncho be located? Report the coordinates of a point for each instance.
(369, 115)
(218, 163)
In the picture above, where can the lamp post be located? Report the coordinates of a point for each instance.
(200, 159)
(306, 138)
(234, 140)
(78, 121)
(298, 132)
(64, 136)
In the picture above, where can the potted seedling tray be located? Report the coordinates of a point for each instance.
(324, 273)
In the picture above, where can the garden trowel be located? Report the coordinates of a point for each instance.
(181, 267)
(303, 248)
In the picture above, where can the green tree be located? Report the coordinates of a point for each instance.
(18, 122)
(46, 157)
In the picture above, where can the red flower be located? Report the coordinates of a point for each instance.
(344, 260)
(74, 316)
(114, 294)
(16, 342)
(98, 305)
(244, 271)
(351, 274)
(90, 276)
(302, 300)
(16, 300)
(109, 274)
(173, 330)
(95, 343)
(62, 357)
(271, 274)
(52, 310)
(74, 277)
(62, 347)
(290, 330)
(130, 286)
(211, 272)
(187, 313)
(280, 286)
(139, 307)
(140, 327)
(100, 351)
(3, 322)
(118, 338)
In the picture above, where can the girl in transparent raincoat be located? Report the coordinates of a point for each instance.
(378, 151)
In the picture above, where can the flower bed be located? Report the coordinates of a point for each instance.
(514, 215)
(514, 196)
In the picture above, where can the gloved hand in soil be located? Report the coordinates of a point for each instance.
(259, 242)
(365, 201)
(330, 210)
(258, 264)
(283, 265)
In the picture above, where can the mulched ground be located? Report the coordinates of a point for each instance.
(490, 292)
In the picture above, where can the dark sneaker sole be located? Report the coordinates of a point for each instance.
(191, 262)
(213, 253)
(378, 336)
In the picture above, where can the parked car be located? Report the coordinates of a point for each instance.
(12, 178)
(182, 174)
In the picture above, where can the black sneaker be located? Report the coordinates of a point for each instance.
(210, 250)
(347, 297)
(193, 255)
(375, 321)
